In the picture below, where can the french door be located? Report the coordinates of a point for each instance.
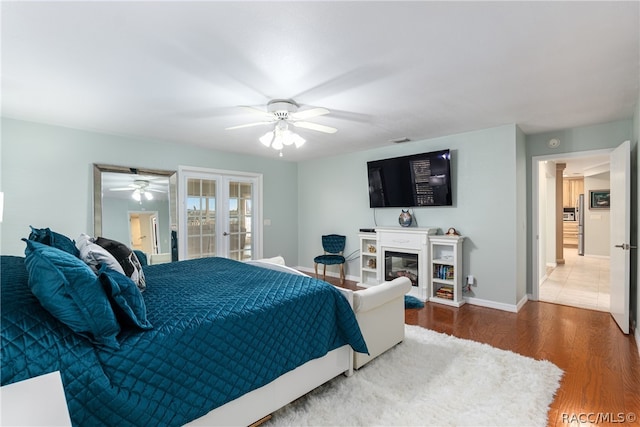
(220, 214)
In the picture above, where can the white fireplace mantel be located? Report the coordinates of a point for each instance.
(410, 240)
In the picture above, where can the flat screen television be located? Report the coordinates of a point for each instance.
(411, 181)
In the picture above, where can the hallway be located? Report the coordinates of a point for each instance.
(581, 282)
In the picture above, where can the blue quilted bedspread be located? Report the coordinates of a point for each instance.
(221, 329)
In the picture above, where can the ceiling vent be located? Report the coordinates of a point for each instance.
(400, 140)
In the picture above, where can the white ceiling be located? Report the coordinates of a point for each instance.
(179, 71)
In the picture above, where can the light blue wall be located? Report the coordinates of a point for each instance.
(46, 175)
(333, 195)
(584, 138)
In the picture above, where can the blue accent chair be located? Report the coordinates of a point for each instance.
(333, 245)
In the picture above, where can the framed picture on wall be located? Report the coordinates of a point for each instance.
(599, 199)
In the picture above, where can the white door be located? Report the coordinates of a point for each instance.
(238, 231)
(220, 214)
(201, 209)
(620, 259)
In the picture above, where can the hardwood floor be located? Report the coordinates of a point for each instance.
(601, 365)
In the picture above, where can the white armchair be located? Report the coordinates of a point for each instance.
(380, 313)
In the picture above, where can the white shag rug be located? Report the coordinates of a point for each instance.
(432, 379)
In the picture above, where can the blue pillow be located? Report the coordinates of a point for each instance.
(125, 297)
(57, 240)
(68, 289)
(142, 257)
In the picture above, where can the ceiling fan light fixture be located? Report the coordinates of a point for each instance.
(281, 136)
(298, 140)
(148, 195)
(136, 195)
(266, 138)
(277, 143)
(287, 137)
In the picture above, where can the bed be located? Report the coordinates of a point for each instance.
(230, 343)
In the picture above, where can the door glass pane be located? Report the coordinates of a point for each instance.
(201, 218)
(240, 231)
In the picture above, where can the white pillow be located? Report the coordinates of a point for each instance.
(95, 256)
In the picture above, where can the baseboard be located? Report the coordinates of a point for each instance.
(522, 302)
(513, 308)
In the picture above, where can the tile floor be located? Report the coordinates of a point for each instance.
(581, 282)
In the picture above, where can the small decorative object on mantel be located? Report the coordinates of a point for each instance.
(452, 232)
(405, 218)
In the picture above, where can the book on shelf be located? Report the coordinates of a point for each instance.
(444, 272)
(445, 292)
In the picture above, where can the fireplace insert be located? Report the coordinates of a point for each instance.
(398, 264)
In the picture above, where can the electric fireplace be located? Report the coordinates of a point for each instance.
(404, 251)
(399, 264)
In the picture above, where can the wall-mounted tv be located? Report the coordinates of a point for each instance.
(411, 181)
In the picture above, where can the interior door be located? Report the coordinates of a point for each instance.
(620, 257)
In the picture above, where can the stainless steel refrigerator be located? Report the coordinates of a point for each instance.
(580, 219)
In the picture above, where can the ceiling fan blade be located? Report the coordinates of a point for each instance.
(248, 125)
(308, 114)
(315, 126)
(123, 189)
(155, 190)
(255, 110)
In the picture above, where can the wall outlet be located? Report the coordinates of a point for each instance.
(471, 280)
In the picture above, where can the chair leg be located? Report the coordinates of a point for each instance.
(342, 274)
(316, 265)
(324, 272)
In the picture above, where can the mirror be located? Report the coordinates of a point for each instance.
(137, 207)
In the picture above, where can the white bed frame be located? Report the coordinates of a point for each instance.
(257, 404)
(243, 411)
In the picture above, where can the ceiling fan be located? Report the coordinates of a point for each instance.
(282, 113)
(286, 110)
(140, 188)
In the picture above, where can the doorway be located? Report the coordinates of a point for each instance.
(582, 280)
(143, 231)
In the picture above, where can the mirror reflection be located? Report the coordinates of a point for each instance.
(137, 207)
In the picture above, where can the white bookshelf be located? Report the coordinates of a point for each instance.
(368, 259)
(445, 270)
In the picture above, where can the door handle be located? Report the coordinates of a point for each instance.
(225, 234)
(625, 246)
